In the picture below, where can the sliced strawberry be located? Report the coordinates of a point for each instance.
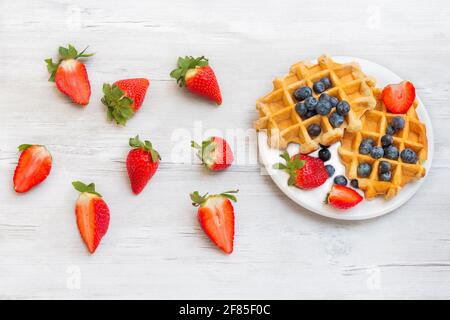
(215, 153)
(198, 77)
(305, 172)
(70, 74)
(92, 215)
(398, 98)
(342, 197)
(142, 163)
(216, 216)
(35, 164)
(124, 98)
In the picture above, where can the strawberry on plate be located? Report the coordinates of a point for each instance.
(216, 216)
(342, 197)
(398, 98)
(124, 98)
(305, 172)
(35, 164)
(215, 153)
(92, 214)
(70, 74)
(198, 77)
(142, 163)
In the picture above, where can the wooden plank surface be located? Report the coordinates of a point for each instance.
(155, 248)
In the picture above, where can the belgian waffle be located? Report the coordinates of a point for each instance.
(374, 124)
(277, 109)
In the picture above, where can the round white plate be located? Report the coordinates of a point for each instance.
(313, 200)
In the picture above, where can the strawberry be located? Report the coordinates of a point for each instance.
(70, 74)
(342, 197)
(92, 215)
(215, 153)
(305, 172)
(142, 163)
(35, 164)
(398, 98)
(124, 98)
(216, 216)
(198, 77)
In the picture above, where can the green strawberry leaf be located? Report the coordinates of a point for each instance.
(82, 187)
(184, 65)
(24, 147)
(64, 53)
(117, 103)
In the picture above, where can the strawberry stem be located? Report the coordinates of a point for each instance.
(24, 147)
(184, 65)
(64, 54)
(118, 104)
(291, 166)
(199, 200)
(147, 146)
(88, 188)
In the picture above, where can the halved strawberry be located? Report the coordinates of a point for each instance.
(70, 74)
(342, 197)
(124, 98)
(198, 77)
(398, 98)
(305, 172)
(216, 216)
(215, 153)
(142, 163)
(35, 164)
(92, 214)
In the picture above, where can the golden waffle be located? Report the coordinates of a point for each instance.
(277, 109)
(374, 124)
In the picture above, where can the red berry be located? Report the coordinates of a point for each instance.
(343, 197)
(398, 98)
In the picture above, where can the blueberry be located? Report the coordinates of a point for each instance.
(386, 140)
(354, 183)
(386, 176)
(330, 170)
(364, 170)
(302, 93)
(340, 180)
(324, 97)
(324, 155)
(365, 148)
(391, 152)
(319, 87)
(377, 152)
(398, 123)
(314, 130)
(343, 108)
(384, 167)
(390, 130)
(336, 120)
(323, 107)
(408, 156)
(311, 103)
(334, 101)
(310, 113)
(326, 81)
(368, 141)
(300, 108)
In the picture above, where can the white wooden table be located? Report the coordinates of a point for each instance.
(154, 247)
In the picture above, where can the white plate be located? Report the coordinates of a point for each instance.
(313, 199)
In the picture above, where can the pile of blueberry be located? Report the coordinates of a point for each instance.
(308, 106)
(387, 150)
(325, 155)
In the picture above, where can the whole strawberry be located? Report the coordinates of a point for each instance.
(70, 74)
(35, 164)
(142, 163)
(215, 153)
(305, 172)
(216, 216)
(198, 77)
(92, 215)
(124, 98)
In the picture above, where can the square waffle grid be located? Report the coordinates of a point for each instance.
(284, 125)
(374, 124)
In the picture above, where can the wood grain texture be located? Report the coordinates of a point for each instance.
(154, 248)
